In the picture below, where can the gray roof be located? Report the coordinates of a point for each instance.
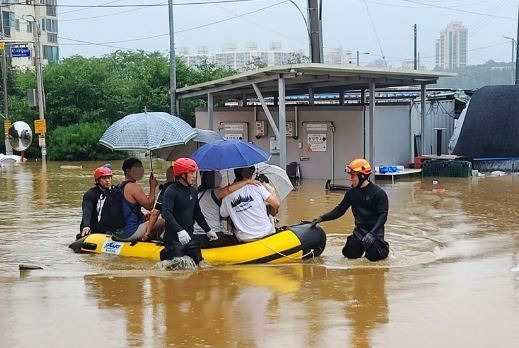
(299, 78)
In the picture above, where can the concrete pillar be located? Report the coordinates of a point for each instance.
(210, 107)
(422, 117)
(282, 124)
(370, 151)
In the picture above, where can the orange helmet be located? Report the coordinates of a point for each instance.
(184, 165)
(359, 166)
(102, 171)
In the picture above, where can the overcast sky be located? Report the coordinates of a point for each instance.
(346, 24)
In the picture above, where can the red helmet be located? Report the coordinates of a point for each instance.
(359, 166)
(184, 165)
(102, 171)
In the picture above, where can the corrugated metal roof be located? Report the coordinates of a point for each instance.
(322, 78)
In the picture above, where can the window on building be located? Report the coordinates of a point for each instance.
(9, 22)
(52, 38)
(29, 27)
(17, 24)
(51, 7)
(51, 53)
(50, 25)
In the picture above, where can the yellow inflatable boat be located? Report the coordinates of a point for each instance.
(297, 242)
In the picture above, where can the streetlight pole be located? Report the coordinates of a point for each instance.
(39, 83)
(514, 79)
(172, 62)
(517, 51)
(8, 148)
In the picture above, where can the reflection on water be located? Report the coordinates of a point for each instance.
(454, 251)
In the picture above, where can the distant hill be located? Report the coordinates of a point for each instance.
(475, 76)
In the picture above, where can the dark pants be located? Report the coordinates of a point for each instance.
(222, 241)
(353, 249)
(175, 249)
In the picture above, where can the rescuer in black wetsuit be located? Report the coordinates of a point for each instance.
(89, 222)
(370, 207)
(180, 209)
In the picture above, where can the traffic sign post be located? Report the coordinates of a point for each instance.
(40, 126)
(19, 52)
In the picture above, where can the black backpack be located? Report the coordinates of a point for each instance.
(110, 212)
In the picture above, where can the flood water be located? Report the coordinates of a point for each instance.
(452, 277)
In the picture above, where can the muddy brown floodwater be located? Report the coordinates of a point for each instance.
(452, 277)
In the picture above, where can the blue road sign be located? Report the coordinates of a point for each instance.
(17, 52)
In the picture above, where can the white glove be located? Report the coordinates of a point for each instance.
(85, 231)
(183, 237)
(212, 236)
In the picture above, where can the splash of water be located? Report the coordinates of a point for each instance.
(177, 263)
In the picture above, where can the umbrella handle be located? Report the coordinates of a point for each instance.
(151, 162)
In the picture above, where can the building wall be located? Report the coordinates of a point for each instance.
(438, 114)
(391, 131)
(17, 26)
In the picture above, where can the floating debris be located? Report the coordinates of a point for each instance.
(28, 267)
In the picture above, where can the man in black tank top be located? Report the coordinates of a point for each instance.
(370, 206)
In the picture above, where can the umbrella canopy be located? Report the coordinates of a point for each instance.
(228, 154)
(173, 152)
(147, 131)
(278, 178)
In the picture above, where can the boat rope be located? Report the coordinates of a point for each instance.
(311, 252)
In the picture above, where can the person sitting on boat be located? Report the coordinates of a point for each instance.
(247, 208)
(134, 199)
(210, 196)
(156, 212)
(103, 182)
(181, 209)
(370, 206)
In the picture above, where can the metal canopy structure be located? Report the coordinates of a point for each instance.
(308, 78)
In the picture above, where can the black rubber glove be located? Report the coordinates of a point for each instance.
(368, 240)
(316, 220)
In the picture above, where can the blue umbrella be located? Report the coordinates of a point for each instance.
(147, 131)
(228, 154)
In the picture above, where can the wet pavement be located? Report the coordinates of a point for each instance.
(452, 277)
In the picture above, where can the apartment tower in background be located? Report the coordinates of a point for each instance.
(451, 47)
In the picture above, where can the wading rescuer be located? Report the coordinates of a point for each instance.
(103, 182)
(180, 209)
(370, 206)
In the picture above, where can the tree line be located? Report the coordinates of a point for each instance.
(85, 95)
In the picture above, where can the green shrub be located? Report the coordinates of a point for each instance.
(79, 142)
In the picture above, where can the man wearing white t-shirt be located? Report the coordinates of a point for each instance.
(247, 208)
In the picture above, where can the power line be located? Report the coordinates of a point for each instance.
(109, 4)
(456, 9)
(376, 35)
(83, 42)
(83, 9)
(108, 43)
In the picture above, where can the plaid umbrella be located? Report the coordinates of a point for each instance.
(147, 131)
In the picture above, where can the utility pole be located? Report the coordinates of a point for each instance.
(39, 82)
(514, 42)
(517, 52)
(8, 148)
(415, 48)
(172, 62)
(315, 36)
